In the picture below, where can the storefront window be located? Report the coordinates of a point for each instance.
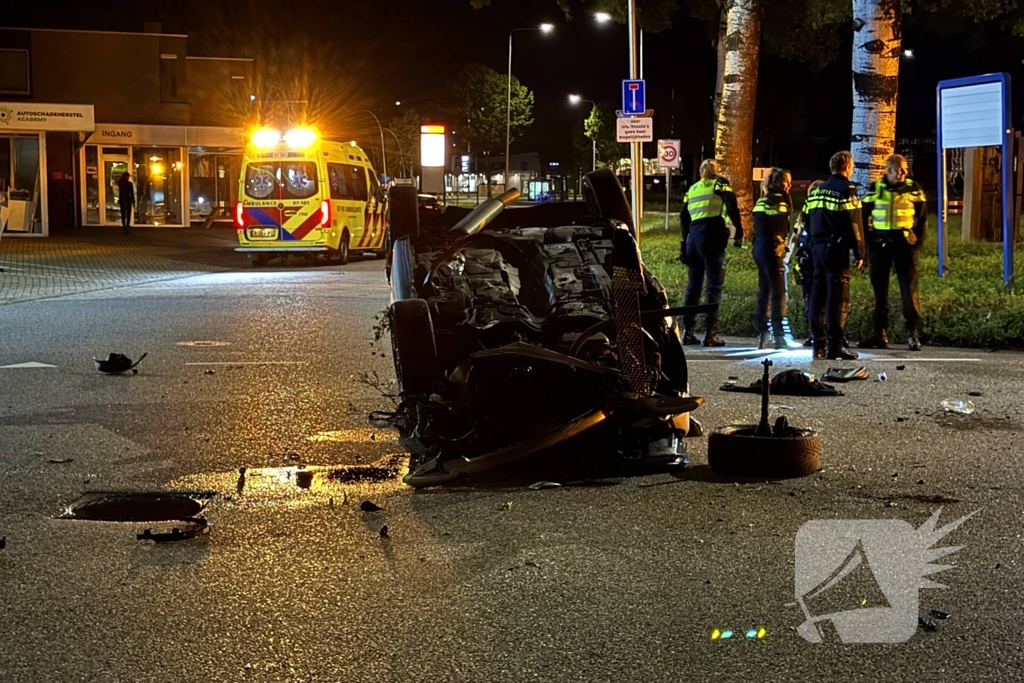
(214, 183)
(92, 186)
(20, 205)
(157, 185)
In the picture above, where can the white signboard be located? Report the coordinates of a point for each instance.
(39, 116)
(668, 153)
(972, 115)
(634, 129)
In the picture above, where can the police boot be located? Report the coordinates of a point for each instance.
(880, 340)
(786, 337)
(841, 353)
(913, 342)
(765, 341)
(711, 337)
(689, 338)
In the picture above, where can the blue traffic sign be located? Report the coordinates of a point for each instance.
(633, 101)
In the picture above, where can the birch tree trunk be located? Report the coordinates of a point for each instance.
(734, 126)
(878, 31)
(720, 71)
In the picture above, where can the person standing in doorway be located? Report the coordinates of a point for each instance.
(702, 248)
(126, 198)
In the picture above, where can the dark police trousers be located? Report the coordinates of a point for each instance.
(771, 292)
(886, 252)
(705, 251)
(830, 295)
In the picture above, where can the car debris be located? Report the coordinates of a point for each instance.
(845, 374)
(384, 532)
(517, 330)
(788, 383)
(369, 506)
(544, 485)
(240, 486)
(197, 526)
(60, 461)
(117, 364)
(3, 543)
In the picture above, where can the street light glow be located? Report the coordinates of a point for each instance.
(547, 28)
(908, 53)
(574, 99)
(602, 17)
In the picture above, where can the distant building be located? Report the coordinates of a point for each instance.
(79, 108)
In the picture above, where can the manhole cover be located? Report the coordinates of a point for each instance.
(204, 343)
(137, 507)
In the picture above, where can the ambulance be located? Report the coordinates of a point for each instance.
(301, 194)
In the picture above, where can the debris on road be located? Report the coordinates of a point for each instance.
(507, 506)
(241, 480)
(958, 406)
(882, 377)
(209, 372)
(974, 393)
(845, 374)
(901, 367)
(198, 526)
(117, 363)
(789, 383)
(537, 486)
(304, 478)
(926, 625)
(384, 532)
(939, 614)
(60, 461)
(369, 506)
(3, 543)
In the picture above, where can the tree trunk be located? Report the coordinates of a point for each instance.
(734, 129)
(878, 30)
(720, 72)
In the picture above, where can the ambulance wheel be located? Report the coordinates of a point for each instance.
(735, 450)
(413, 346)
(341, 255)
(261, 260)
(404, 212)
(605, 198)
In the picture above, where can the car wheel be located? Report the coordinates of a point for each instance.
(734, 450)
(413, 345)
(605, 198)
(341, 255)
(404, 212)
(261, 260)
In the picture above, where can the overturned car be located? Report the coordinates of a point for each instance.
(516, 330)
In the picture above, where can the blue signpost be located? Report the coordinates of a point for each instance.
(633, 98)
(975, 112)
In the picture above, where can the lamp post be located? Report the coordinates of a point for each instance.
(576, 99)
(383, 153)
(543, 28)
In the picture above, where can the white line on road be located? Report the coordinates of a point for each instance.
(32, 364)
(926, 360)
(255, 362)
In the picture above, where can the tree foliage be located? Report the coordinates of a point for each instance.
(477, 110)
(405, 151)
(600, 128)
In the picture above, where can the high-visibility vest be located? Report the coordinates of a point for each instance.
(701, 200)
(894, 210)
(773, 209)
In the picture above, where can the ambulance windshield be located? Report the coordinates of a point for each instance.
(281, 180)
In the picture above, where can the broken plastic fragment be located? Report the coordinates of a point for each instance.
(716, 634)
(537, 486)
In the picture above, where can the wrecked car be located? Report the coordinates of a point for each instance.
(515, 330)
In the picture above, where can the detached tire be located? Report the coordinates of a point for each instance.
(734, 450)
(403, 212)
(413, 345)
(605, 198)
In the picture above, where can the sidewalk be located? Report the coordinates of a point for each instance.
(91, 259)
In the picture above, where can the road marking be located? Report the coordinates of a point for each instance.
(254, 362)
(926, 360)
(203, 343)
(31, 364)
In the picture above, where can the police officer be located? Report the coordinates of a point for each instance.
(835, 218)
(896, 217)
(804, 270)
(704, 238)
(771, 234)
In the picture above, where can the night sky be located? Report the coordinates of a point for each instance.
(406, 49)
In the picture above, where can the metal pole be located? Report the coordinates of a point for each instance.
(593, 163)
(383, 153)
(637, 156)
(401, 152)
(668, 192)
(508, 110)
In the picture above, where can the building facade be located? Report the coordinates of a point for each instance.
(69, 130)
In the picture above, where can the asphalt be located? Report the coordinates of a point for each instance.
(609, 577)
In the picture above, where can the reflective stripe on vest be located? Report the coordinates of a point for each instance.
(894, 210)
(702, 202)
(762, 206)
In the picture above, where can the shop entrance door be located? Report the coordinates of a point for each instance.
(113, 166)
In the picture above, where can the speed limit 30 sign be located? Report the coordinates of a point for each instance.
(668, 153)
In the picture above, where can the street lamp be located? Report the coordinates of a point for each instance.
(383, 153)
(602, 17)
(576, 99)
(543, 28)
(908, 53)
